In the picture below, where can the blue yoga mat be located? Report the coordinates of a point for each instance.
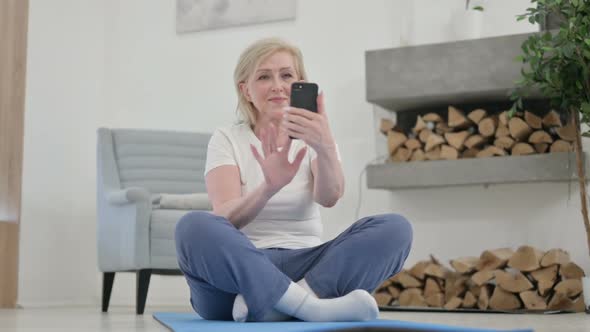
(190, 322)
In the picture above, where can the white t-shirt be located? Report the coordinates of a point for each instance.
(291, 218)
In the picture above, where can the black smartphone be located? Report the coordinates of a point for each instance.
(304, 95)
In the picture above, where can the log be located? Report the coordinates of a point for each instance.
(433, 141)
(532, 301)
(545, 278)
(436, 300)
(432, 117)
(578, 305)
(571, 270)
(481, 277)
(469, 301)
(494, 259)
(401, 154)
(514, 283)
(406, 280)
(533, 120)
(465, 265)
(569, 287)
(383, 299)
(555, 257)
(475, 141)
(504, 142)
(521, 149)
(441, 128)
(448, 152)
(431, 287)
(503, 300)
(418, 155)
(386, 126)
(457, 119)
(491, 151)
(453, 303)
(483, 300)
(455, 286)
(395, 140)
(423, 135)
(417, 270)
(473, 288)
(519, 130)
(457, 139)
(476, 115)
(540, 136)
(436, 270)
(419, 126)
(413, 144)
(502, 131)
(552, 119)
(433, 154)
(394, 292)
(412, 297)
(541, 147)
(503, 118)
(561, 146)
(487, 127)
(560, 301)
(526, 259)
(567, 133)
(470, 153)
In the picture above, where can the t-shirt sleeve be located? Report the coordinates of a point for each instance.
(219, 151)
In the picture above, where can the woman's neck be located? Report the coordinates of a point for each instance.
(265, 123)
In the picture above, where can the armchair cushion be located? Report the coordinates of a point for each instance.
(197, 201)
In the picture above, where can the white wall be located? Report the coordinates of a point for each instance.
(65, 81)
(121, 64)
(463, 221)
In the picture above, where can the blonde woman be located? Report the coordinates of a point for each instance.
(258, 256)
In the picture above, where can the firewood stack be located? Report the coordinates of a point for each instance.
(476, 135)
(500, 279)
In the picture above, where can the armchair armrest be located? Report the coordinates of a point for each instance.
(128, 195)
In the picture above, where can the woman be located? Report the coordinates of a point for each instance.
(258, 256)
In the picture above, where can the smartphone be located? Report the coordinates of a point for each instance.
(304, 95)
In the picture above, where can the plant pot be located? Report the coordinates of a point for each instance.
(586, 290)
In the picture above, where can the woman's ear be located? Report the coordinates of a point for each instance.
(244, 89)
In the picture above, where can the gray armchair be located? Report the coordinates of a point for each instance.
(134, 168)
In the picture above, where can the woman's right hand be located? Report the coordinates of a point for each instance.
(275, 165)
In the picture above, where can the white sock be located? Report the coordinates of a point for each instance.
(240, 309)
(357, 305)
(240, 312)
(305, 286)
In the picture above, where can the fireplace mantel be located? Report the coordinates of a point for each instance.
(473, 73)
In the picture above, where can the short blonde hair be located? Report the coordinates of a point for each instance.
(249, 61)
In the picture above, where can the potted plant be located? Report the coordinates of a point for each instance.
(557, 63)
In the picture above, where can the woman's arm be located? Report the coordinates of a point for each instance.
(225, 193)
(314, 130)
(224, 185)
(328, 178)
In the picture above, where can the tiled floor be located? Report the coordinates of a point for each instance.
(124, 319)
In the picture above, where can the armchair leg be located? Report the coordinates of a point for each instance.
(107, 286)
(143, 282)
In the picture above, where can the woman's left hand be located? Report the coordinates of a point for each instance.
(310, 127)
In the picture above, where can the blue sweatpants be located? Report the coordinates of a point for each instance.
(219, 262)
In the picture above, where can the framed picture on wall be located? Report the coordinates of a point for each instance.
(199, 15)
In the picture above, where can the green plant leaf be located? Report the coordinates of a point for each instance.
(479, 8)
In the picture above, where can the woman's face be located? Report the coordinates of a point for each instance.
(269, 87)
